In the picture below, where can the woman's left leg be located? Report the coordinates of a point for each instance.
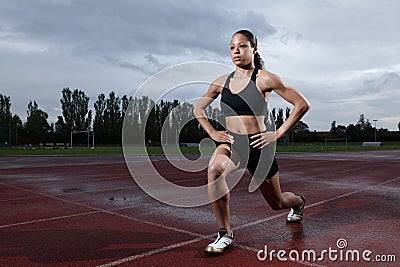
(271, 190)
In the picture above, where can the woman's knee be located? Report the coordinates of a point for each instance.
(216, 169)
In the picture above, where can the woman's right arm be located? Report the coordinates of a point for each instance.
(200, 114)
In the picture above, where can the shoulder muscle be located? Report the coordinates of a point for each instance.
(269, 81)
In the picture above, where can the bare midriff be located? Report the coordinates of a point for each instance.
(245, 124)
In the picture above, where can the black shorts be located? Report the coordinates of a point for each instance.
(261, 163)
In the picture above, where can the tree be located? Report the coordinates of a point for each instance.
(5, 120)
(287, 113)
(61, 130)
(165, 122)
(279, 118)
(36, 129)
(124, 106)
(365, 128)
(112, 116)
(364, 123)
(333, 128)
(99, 125)
(138, 116)
(274, 114)
(109, 118)
(301, 127)
(338, 131)
(353, 132)
(285, 140)
(5, 113)
(341, 131)
(76, 115)
(398, 126)
(16, 130)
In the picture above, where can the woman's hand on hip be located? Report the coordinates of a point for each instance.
(221, 136)
(263, 139)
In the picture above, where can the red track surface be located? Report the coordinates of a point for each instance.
(88, 211)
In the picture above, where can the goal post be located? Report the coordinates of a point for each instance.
(336, 141)
(88, 132)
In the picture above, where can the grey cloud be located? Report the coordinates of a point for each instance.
(378, 97)
(152, 60)
(151, 66)
(387, 81)
(102, 45)
(164, 27)
(128, 65)
(124, 32)
(154, 63)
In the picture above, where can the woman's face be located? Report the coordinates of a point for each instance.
(242, 54)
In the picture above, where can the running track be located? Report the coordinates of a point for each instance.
(88, 211)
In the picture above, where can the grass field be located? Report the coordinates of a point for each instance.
(116, 150)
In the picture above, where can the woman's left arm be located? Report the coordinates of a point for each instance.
(290, 94)
(299, 102)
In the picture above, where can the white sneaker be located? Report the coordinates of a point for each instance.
(222, 242)
(296, 214)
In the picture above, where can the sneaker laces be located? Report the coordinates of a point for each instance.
(299, 209)
(223, 233)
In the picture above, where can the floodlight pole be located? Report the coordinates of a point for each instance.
(375, 128)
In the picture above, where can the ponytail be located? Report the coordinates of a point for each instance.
(258, 62)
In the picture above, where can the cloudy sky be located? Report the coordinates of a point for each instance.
(342, 55)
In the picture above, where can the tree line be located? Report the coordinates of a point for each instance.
(76, 116)
(149, 121)
(363, 130)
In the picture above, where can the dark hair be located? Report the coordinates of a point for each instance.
(258, 62)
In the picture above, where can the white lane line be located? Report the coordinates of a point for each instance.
(18, 198)
(151, 252)
(96, 210)
(72, 181)
(86, 213)
(76, 193)
(187, 180)
(201, 237)
(135, 186)
(131, 258)
(316, 204)
(329, 173)
(48, 219)
(155, 251)
(107, 211)
(352, 193)
(127, 176)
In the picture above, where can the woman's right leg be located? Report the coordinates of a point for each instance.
(220, 166)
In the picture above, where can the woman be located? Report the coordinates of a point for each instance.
(244, 108)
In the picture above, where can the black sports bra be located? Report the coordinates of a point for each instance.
(249, 101)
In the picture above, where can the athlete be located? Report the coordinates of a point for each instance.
(246, 141)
